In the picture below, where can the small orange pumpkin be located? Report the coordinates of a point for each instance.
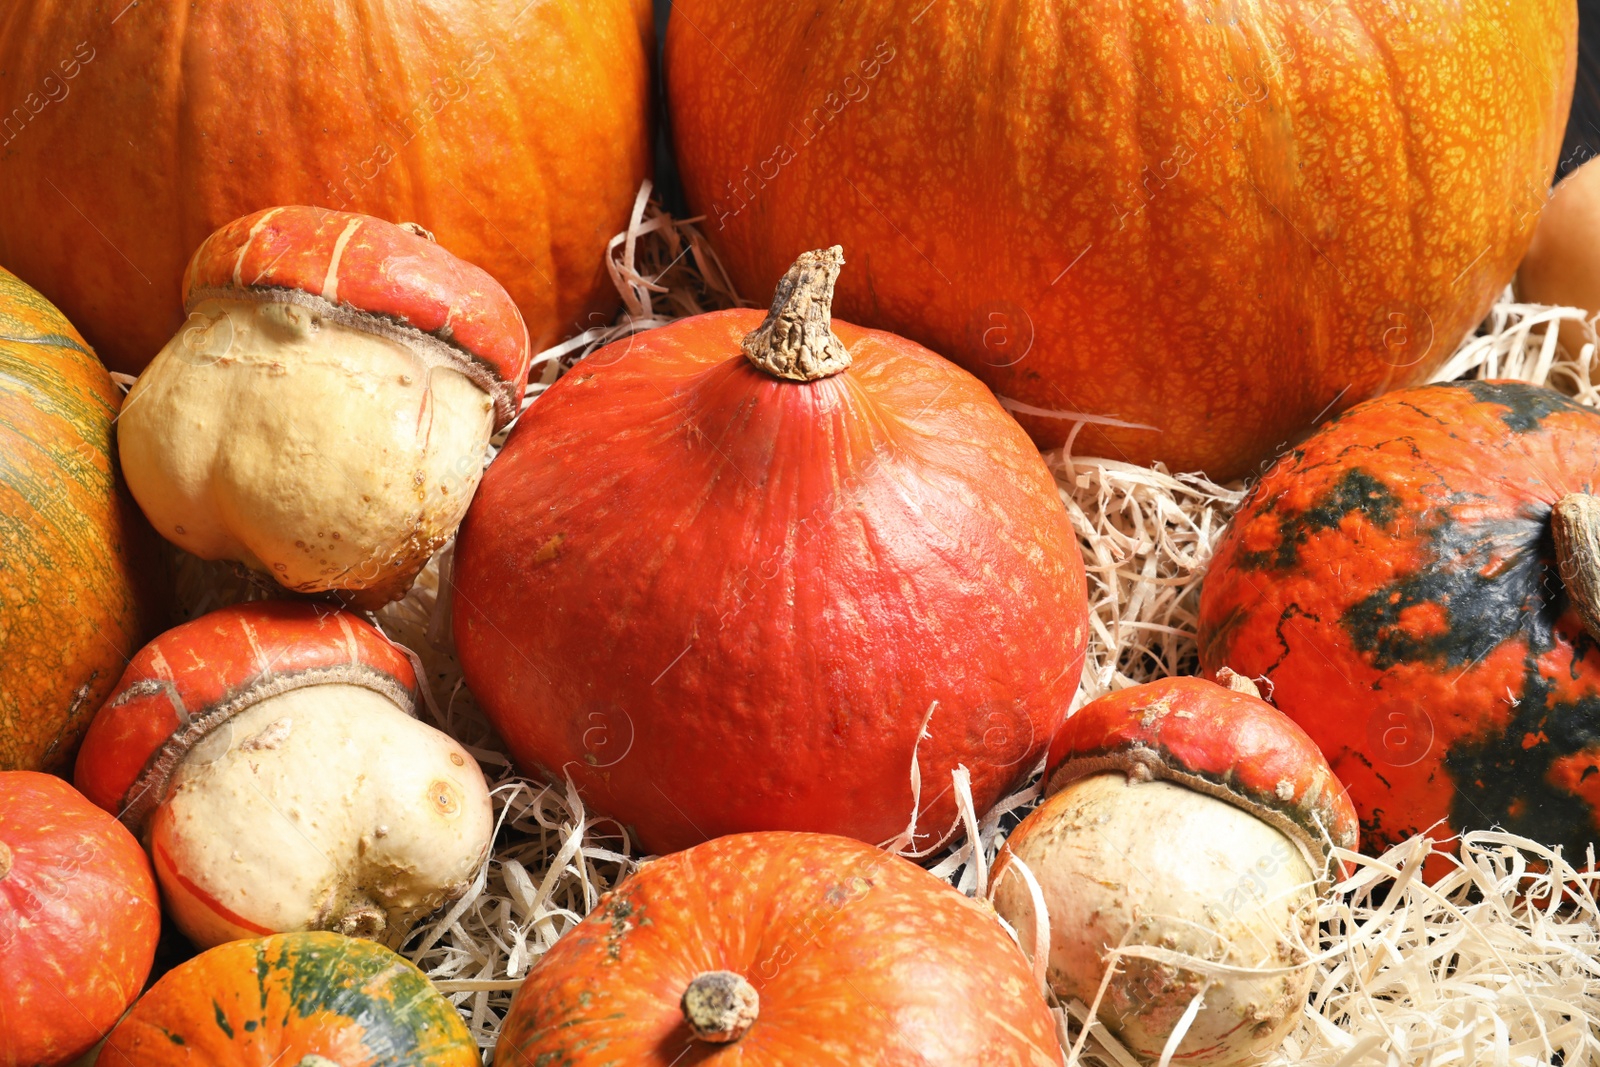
(799, 950)
(78, 921)
(293, 1000)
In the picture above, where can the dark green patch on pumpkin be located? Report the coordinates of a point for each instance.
(364, 982)
(222, 1020)
(1355, 491)
(1483, 610)
(1526, 406)
(1503, 782)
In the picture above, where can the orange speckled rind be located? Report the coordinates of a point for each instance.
(79, 920)
(1212, 223)
(376, 267)
(1229, 744)
(858, 957)
(272, 1001)
(518, 134)
(195, 677)
(1393, 579)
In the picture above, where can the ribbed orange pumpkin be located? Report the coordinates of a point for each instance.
(1212, 220)
(517, 132)
(76, 557)
(721, 592)
(781, 950)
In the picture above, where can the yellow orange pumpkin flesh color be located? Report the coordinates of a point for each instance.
(1187, 229)
(76, 557)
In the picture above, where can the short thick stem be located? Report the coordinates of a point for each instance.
(6, 859)
(1575, 523)
(720, 1006)
(1237, 682)
(796, 341)
(362, 920)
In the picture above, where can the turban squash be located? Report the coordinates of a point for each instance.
(737, 575)
(76, 557)
(1199, 224)
(1410, 583)
(516, 132)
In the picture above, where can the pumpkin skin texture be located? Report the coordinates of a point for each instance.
(293, 1000)
(1215, 221)
(723, 602)
(77, 560)
(857, 955)
(1394, 579)
(79, 919)
(517, 133)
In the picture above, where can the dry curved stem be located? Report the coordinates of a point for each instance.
(796, 342)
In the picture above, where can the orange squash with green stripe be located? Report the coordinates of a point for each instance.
(74, 549)
(293, 1000)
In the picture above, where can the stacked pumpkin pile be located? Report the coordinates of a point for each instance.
(790, 599)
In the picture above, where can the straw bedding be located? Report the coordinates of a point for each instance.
(1499, 963)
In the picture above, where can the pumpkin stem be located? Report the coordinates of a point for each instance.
(720, 1006)
(796, 341)
(1575, 522)
(362, 920)
(5, 859)
(415, 228)
(1231, 679)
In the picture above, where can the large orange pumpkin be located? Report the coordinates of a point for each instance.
(1211, 221)
(782, 950)
(516, 132)
(723, 591)
(79, 920)
(75, 554)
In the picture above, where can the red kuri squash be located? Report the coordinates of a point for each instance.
(79, 920)
(1193, 226)
(1399, 581)
(293, 1000)
(758, 590)
(76, 557)
(516, 131)
(782, 950)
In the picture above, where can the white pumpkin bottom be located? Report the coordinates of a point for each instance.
(1169, 867)
(323, 808)
(321, 455)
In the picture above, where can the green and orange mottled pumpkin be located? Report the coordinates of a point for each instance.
(293, 1000)
(1397, 580)
(76, 557)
